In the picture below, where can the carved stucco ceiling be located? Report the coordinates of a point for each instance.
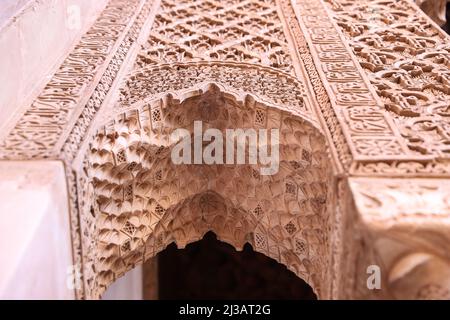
(143, 202)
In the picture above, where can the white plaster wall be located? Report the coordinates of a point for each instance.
(33, 43)
(35, 241)
(128, 287)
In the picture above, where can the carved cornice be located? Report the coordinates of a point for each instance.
(402, 200)
(399, 168)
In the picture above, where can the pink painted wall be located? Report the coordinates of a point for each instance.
(35, 241)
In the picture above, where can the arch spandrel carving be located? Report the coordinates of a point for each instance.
(274, 88)
(360, 97)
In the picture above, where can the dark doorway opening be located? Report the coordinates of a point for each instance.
(211, 269)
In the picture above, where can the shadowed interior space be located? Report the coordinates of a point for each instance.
(211, 269)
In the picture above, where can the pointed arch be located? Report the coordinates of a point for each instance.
(140, 201)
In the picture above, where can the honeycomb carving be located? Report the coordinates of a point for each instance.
(140, 215)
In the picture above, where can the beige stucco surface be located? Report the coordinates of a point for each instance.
(128, 287)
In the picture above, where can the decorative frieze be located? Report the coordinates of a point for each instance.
(46, 121)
